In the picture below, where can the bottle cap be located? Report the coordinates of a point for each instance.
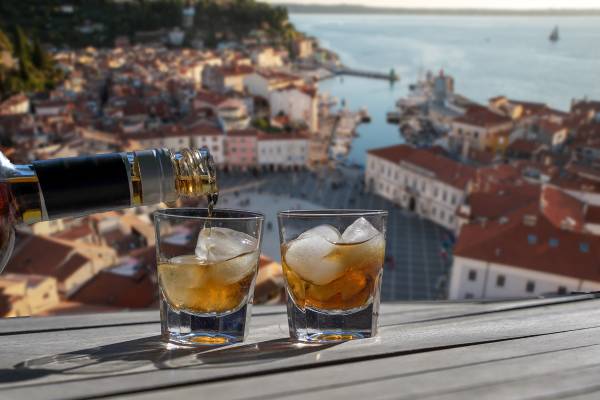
(157, 175)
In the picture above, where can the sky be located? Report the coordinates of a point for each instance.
(498, 4)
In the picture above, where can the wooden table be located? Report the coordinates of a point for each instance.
(534, 349)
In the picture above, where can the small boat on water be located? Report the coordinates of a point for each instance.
(554, 36)
(393, 117)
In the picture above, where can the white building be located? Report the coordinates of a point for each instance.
(299, 103)
(421, 180)
(282, 150)
(172, 137)
(233, 114)
(263, 82)
(267, 57)
(523, 255)
(211, 137)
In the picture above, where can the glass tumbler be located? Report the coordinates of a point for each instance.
(207, 268)
(333, 264)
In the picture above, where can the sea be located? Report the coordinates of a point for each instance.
(486, 55)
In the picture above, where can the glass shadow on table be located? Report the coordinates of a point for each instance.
(125, 357)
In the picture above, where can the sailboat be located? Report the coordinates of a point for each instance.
(554, 37)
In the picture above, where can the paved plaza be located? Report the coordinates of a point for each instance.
(414, 266)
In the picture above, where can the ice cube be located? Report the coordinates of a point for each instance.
(328, 232)
(235, 269)
(308, 257)
(221, 244)
(359, 231)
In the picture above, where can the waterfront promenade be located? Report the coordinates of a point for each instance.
(414, 263)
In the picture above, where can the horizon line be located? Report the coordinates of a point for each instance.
(438, 8)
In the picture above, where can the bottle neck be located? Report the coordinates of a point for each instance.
(68, 187)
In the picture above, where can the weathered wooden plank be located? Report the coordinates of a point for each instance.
(517, 369)
(391, 313)
(267, 352)
(9, 326)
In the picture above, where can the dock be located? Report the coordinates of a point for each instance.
(392, 76)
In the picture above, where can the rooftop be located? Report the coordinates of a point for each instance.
(444, 169)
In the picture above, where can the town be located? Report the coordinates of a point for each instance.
(492, 200)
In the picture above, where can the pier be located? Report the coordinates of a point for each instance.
(343, 70)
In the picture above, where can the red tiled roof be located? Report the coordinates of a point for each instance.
(507, 242)
(482, 117)
(210, 97)
(114, 290)
(75, 232)
(40, 255)
(277, 75)
(523, 146)
(443, 168)
(559, 207)
(236, 70)
(493, 205)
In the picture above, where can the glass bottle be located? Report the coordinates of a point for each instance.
(77, 186)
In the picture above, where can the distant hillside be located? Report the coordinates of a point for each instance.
(355, 9)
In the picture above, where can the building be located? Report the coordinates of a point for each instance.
(210, 136)
(31, 294)
(421, 180)
(277, 151)
(240, 149)
(61, 261)
(302, 48)
(523, 253)
(299, 103)
(267, 57)
(169, 136)
(227, 79)
(264, 81)
(478, 128)
(16, 104)
(233, 114)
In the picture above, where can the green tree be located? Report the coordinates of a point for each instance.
(5, 44)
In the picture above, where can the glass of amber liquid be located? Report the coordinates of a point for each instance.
(207, 267)
(333, 264)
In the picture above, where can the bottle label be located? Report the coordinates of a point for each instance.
(83, 185)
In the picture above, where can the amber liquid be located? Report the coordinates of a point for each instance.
(362, 263)
(222, 287)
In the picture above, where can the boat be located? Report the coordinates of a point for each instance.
(554, 36)
(393, 117)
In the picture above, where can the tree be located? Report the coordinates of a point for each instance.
(39, 57)
(5, 44)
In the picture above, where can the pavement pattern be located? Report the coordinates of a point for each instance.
(415, 266)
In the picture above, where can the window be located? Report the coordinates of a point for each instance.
(472, 275)
(435, 191)
(532, 239)
(453, 199)
(423, 186)
(396, 175)
(553, 242)
(444, 195)
(442, 215)
(584, 247)
(468, 295)
(530, 286)
(500, 280)
(562, 290)
(451, 219)
(433, 211)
